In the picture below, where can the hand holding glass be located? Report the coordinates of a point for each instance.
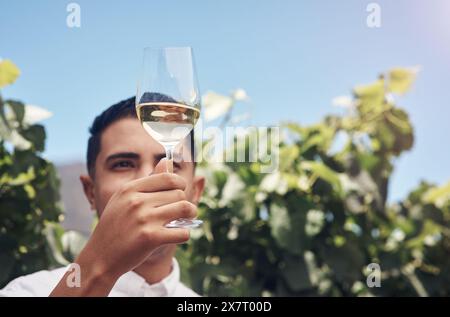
(168, 102)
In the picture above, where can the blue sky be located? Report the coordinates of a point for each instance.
(292, 58)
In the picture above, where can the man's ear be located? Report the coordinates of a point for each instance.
(198, 186)
(88, 188)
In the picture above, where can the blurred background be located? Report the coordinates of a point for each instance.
(293, 58)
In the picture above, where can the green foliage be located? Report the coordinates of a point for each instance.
(312, 227)
(8, 73)
(28, 189)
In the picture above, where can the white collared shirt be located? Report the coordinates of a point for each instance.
(130, 284)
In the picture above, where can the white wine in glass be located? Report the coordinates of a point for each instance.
(167, 122)
(168, 103)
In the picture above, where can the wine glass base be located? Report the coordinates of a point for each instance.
(185, 223)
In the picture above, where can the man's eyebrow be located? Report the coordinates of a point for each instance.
(129, 155)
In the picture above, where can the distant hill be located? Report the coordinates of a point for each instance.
(78, 215)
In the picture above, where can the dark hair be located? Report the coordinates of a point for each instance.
(123, 109)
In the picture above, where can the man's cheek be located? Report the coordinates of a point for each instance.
(103, 196)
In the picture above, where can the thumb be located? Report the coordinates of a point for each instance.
(161, 167)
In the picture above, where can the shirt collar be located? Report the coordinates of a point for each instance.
(132, 284)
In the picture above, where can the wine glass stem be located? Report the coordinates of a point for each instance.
(182, 222)
(169, 157)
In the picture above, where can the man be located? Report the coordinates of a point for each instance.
(130, 252)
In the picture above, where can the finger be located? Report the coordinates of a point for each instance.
(160, 198)
(161, 167)
(175, 235)
(176, 210)
(157, 182)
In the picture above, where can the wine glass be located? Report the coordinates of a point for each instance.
(168, 102)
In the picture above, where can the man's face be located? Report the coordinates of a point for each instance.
(127, 153)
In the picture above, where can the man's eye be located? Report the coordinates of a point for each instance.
(122, 165)
(176, 165)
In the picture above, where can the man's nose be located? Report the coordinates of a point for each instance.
(146, 170)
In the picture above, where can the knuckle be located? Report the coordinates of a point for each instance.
(187, 209)
(134, 202)
(184, 205)
(141, 219)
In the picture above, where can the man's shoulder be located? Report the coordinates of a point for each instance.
(40, 283)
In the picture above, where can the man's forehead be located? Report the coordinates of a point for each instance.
(127, 135)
